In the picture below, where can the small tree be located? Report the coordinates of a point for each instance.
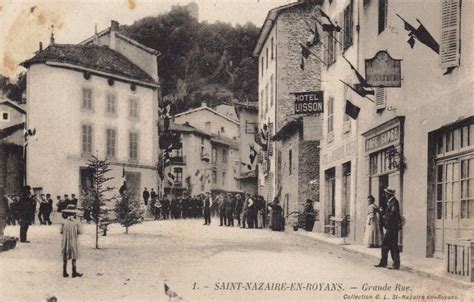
(128, 210)
(94, 196)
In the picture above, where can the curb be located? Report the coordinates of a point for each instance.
(410, 269)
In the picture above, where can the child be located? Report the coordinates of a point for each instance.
(70, 229)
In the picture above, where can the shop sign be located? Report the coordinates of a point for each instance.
(308, 102)
(383, 139)
(312, 128)
(383, 71)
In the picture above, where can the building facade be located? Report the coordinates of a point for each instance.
(92, 99)
(282, 74)
(247, 172)
(415, 138)
(219, 159)
(340, 132)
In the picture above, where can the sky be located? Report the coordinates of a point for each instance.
(24, 23)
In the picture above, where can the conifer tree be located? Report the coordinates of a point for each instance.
(128, 210)
(97, 195)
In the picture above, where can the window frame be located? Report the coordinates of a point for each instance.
(133, 111)
(133, 146)
(108, 141)
(109, 96)
(87, 140)
(87, 102)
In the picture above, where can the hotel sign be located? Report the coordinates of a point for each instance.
(383, 71)
(383, 139)
(308, 102)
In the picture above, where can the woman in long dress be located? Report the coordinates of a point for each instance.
(372, 236)
(276, 216)
(70, 230)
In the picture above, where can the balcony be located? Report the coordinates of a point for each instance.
(178, 160)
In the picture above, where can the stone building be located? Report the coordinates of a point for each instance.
(98, 98)
(297, 166)
(281, 74)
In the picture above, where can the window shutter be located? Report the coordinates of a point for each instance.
(450, 33)
(341, 34)
(380, 98)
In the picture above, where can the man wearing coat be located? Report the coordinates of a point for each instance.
(25, 211)
(146, 196)
(392, 224)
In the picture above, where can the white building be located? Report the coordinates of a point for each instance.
(224, 160)
(96, 98)
(417, 138)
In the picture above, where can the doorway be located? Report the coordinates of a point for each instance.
(330, 178)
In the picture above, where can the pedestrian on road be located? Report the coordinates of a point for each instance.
(59, 204)
(146, 196)
(230, 209)
(245, 209)
(48, 209)
(153, 193)
(42, 207)
(372, 235)
(70, 230)
(276, 216)
(222, 209)
(309, 216)
(239, 204)
(74, 200)
(207, 209)
(392, 224)
(25, 209)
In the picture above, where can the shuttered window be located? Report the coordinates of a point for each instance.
(86, 139)
(348, 25)
(383, 5)
(380, 98)
(330, 114)
(110, 142)
(133, 145)
(450, 33)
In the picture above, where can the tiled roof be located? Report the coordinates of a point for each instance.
(100, 58)
(186, 127)
(6, 132)
(288, 129)
(223, 140)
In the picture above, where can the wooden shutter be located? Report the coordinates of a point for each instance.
(450, 33)
(340, 35)
(380, 98)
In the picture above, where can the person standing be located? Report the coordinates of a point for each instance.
(70, 230)
(239, 203)
(42, 207)
(222, 210)
(372, 236)
(309, 215)
(146, 196)
(74, 200)
(24, 207)
(276, 216)
(59, 203)
(251, 213)
(153, 194)
(230, 209)
(245, 209)
(392, 224)
(48, 209)
(207, 209)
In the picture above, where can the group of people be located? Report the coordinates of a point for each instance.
(35, 205)
(382, 227)
(173, 208)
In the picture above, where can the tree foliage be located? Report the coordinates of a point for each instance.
(200, 61)
(129, 210)
(96, 196)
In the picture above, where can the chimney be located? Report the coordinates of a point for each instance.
(114, 25)
(203, 104)
(51, 39)
(40, 46)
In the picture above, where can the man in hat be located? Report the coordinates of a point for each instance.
(207, 209)
(392, 224)
(24, 207)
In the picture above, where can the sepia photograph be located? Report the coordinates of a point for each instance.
(236, 150)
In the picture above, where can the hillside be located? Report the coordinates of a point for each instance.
(200, 61)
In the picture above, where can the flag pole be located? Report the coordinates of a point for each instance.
(319, 59)
(356, 91)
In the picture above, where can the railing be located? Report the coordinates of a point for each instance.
(178, 160)
(459, 258)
